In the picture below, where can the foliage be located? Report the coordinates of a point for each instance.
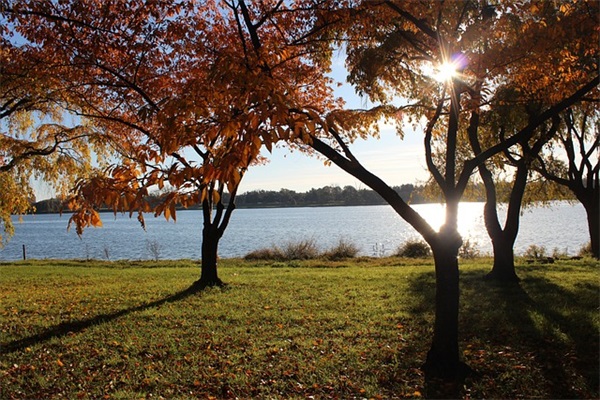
(468, 250)
(305, 249)
(586, 250)
(188, 93)
(578, 141)
(535, 252)
(39, 139)
(130, 330)
(327, 195)
(343, 250)
(414, 249)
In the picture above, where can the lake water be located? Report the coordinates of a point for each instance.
(375, 229)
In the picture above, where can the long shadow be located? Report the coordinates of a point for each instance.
(504, 314)
(65, 328)
(518, 305)
(541, 294)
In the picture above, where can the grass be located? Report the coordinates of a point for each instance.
(355, 328)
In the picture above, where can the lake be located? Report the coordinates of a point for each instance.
(376, 230)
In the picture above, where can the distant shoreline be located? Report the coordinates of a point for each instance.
(246, 207)
(327, 196)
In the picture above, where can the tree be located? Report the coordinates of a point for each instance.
(579, 137)
(36, 139)
(503, 237)
(514, 103)
(392, 49)
(186, 93)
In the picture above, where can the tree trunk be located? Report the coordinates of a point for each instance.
(444, 371)
(503, 241)
(593, 216)
(210, 244)
(503, 269)
(443, 357)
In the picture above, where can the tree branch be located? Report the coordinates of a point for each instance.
(526, 132)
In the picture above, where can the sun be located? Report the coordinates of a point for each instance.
(446, 71)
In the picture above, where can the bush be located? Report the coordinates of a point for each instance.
(586, 250)
(558, 254)
(468, 250)
(414, 249)
(535, 251)
(302, 250)
(342, 250)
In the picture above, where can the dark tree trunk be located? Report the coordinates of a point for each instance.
(593, 216)
(443, 358)
(210, 245)
(503, 269)
(444, 371)
(503, 240)
(214, 227)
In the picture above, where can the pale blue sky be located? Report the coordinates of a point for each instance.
(397, 161)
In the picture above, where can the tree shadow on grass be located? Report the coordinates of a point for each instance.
(570, 339)
(536, 318)
(66, 328)
(540, 318)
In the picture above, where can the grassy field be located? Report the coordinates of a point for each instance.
(348, 329)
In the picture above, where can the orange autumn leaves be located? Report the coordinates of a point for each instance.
(185, 96)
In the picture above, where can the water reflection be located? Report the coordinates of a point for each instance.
(562, 226)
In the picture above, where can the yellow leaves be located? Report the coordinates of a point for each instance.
(565, 8)
(234, 181)
(168, 206)
(167, 213)
(256, 142)
(268, 143)
(216, 197)
(534, 8)
(95, 219)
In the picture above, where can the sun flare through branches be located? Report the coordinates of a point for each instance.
(450, 68)
(445, 72)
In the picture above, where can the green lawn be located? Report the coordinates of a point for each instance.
(351, 329)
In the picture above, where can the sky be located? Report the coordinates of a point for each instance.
(396, 161)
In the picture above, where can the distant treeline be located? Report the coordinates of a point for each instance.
(49, 206)
(351, 196)
(325, 196)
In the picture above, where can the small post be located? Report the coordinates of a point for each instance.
(24, 253)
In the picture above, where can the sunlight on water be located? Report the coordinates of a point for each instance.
(562, 226)
(469, 216)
